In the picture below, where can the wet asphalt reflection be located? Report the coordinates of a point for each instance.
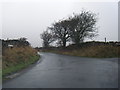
(62, 71)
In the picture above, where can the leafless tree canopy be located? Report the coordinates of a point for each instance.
(75, 28)
(82, 25)
(61, 31)
(47, 38)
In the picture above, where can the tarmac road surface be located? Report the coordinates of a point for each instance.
(62, 71)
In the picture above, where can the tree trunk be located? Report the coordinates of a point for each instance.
(64, 43)
(77, 42)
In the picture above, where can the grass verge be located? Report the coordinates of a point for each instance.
(19, 66)
(16, 59)
(99, 51)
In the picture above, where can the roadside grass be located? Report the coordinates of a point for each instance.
(17, 58)
(19, 66)
(0, 69)
(0, 66)
(98, 51)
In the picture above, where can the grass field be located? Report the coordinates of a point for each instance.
(0, 68)
(98, 51)
(17, 58)
(95, 51)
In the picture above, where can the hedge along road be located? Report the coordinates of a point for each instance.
(62, 71)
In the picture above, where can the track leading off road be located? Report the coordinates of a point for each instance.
(61, 71)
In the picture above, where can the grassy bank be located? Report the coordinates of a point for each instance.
(0, 68)
(95, 51)
(98, 51)
(17, 58)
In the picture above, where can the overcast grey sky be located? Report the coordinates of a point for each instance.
(29, 19)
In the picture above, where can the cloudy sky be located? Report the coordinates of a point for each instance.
(29, 18)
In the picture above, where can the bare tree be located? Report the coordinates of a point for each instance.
(77, 28)
(82, 26)
(23, 42)
(61, 32)
(47, 38)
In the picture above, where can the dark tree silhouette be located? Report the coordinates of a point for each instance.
(82, 25)
(75, 28)
(47, 38)
(22, 42)
(61, 32)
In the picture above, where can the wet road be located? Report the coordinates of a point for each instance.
(61, 71)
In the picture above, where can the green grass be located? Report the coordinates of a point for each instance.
(19, 66)
(17, 58)
(0, 69)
